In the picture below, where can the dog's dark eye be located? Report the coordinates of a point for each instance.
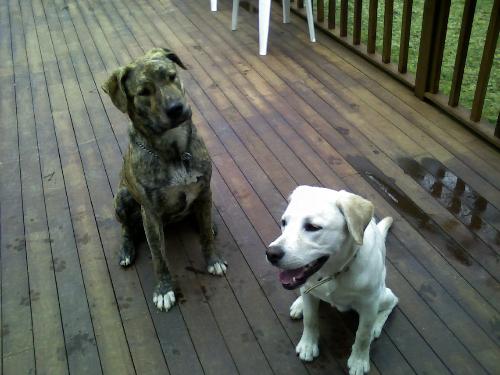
(311, 227)
(172, 76)
(283, 222)
(144, 92)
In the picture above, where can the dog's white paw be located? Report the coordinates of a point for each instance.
(125, 261)
(164, 301)
(296, 309)
(307, 349)
(358, 364)
(217, 268)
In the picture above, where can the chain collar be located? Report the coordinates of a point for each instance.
(186, 157)
(344, 269)
(145, 148)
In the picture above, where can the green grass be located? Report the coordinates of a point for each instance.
(480, 26)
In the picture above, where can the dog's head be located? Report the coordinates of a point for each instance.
(150, 92)
(318, 226)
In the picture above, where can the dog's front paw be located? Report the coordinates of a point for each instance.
(127, 255)
(217, 266)
(358, 364)
(307, 349)
(163, 297)
(125, 260)
(296, 309)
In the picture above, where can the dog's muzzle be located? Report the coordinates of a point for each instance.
(293, 278)
(274, 254)
(178, 112)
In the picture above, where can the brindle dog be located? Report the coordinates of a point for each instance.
(166, 170)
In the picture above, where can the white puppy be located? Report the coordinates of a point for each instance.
(330, 238)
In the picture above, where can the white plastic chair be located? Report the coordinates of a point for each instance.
(213, 5)
(264, 15)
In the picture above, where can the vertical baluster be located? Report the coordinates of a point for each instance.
(432, 38)
(372, 26)
(426, 38)
(331, 14)
(462, 48)
(388, 17)
(320, 10)
(405, 36)
(497, 127)
(343, 17)
(441, 27)
(486, 63)
(356, 35)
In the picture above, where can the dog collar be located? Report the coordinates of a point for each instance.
(186, 157)
(145, 148)
(322, 281)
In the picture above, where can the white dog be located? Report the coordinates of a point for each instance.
(332, 248)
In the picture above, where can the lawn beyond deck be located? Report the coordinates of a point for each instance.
(304, 114)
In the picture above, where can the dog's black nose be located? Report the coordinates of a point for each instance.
(274, 254)
(175, 109)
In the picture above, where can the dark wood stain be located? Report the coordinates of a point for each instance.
(304, 114)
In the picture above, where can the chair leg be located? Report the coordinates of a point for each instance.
(264, 14)
(286, 11)
(234, 19)
(310, 20)
(213, 5)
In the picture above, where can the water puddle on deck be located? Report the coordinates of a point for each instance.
(410, 211)
(457, 197)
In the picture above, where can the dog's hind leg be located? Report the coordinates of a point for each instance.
(387, 302)
(163, 295)
(216, 265)
(127, 212)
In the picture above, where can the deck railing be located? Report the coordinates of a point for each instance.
(425, 81)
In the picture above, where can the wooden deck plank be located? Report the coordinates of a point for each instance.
(81, 349)
(47, 327)
(178, 351)
(441, 217)
(203, 327)
(223, 300)
(270, 123)
(146, 354)
(17, 331)
(337, 145)
(437, 125)
(111, 342)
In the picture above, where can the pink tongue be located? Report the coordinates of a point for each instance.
(286, 276)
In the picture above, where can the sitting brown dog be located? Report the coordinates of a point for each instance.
(166, 170)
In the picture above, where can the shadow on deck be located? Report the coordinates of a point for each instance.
(304, 114)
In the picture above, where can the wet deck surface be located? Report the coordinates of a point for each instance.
(304, 114)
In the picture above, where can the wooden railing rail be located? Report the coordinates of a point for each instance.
(426, 80)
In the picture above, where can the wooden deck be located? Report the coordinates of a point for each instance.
(305, 114)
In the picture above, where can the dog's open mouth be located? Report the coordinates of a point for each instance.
(292, 279)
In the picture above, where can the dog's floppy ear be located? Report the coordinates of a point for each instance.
(114, 87)
(172, 56)
(357, 211)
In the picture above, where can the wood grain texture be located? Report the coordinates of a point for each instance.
(306, 113)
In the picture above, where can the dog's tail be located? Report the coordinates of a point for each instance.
(384, 225)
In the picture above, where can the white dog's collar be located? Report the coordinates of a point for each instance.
(343, 269)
